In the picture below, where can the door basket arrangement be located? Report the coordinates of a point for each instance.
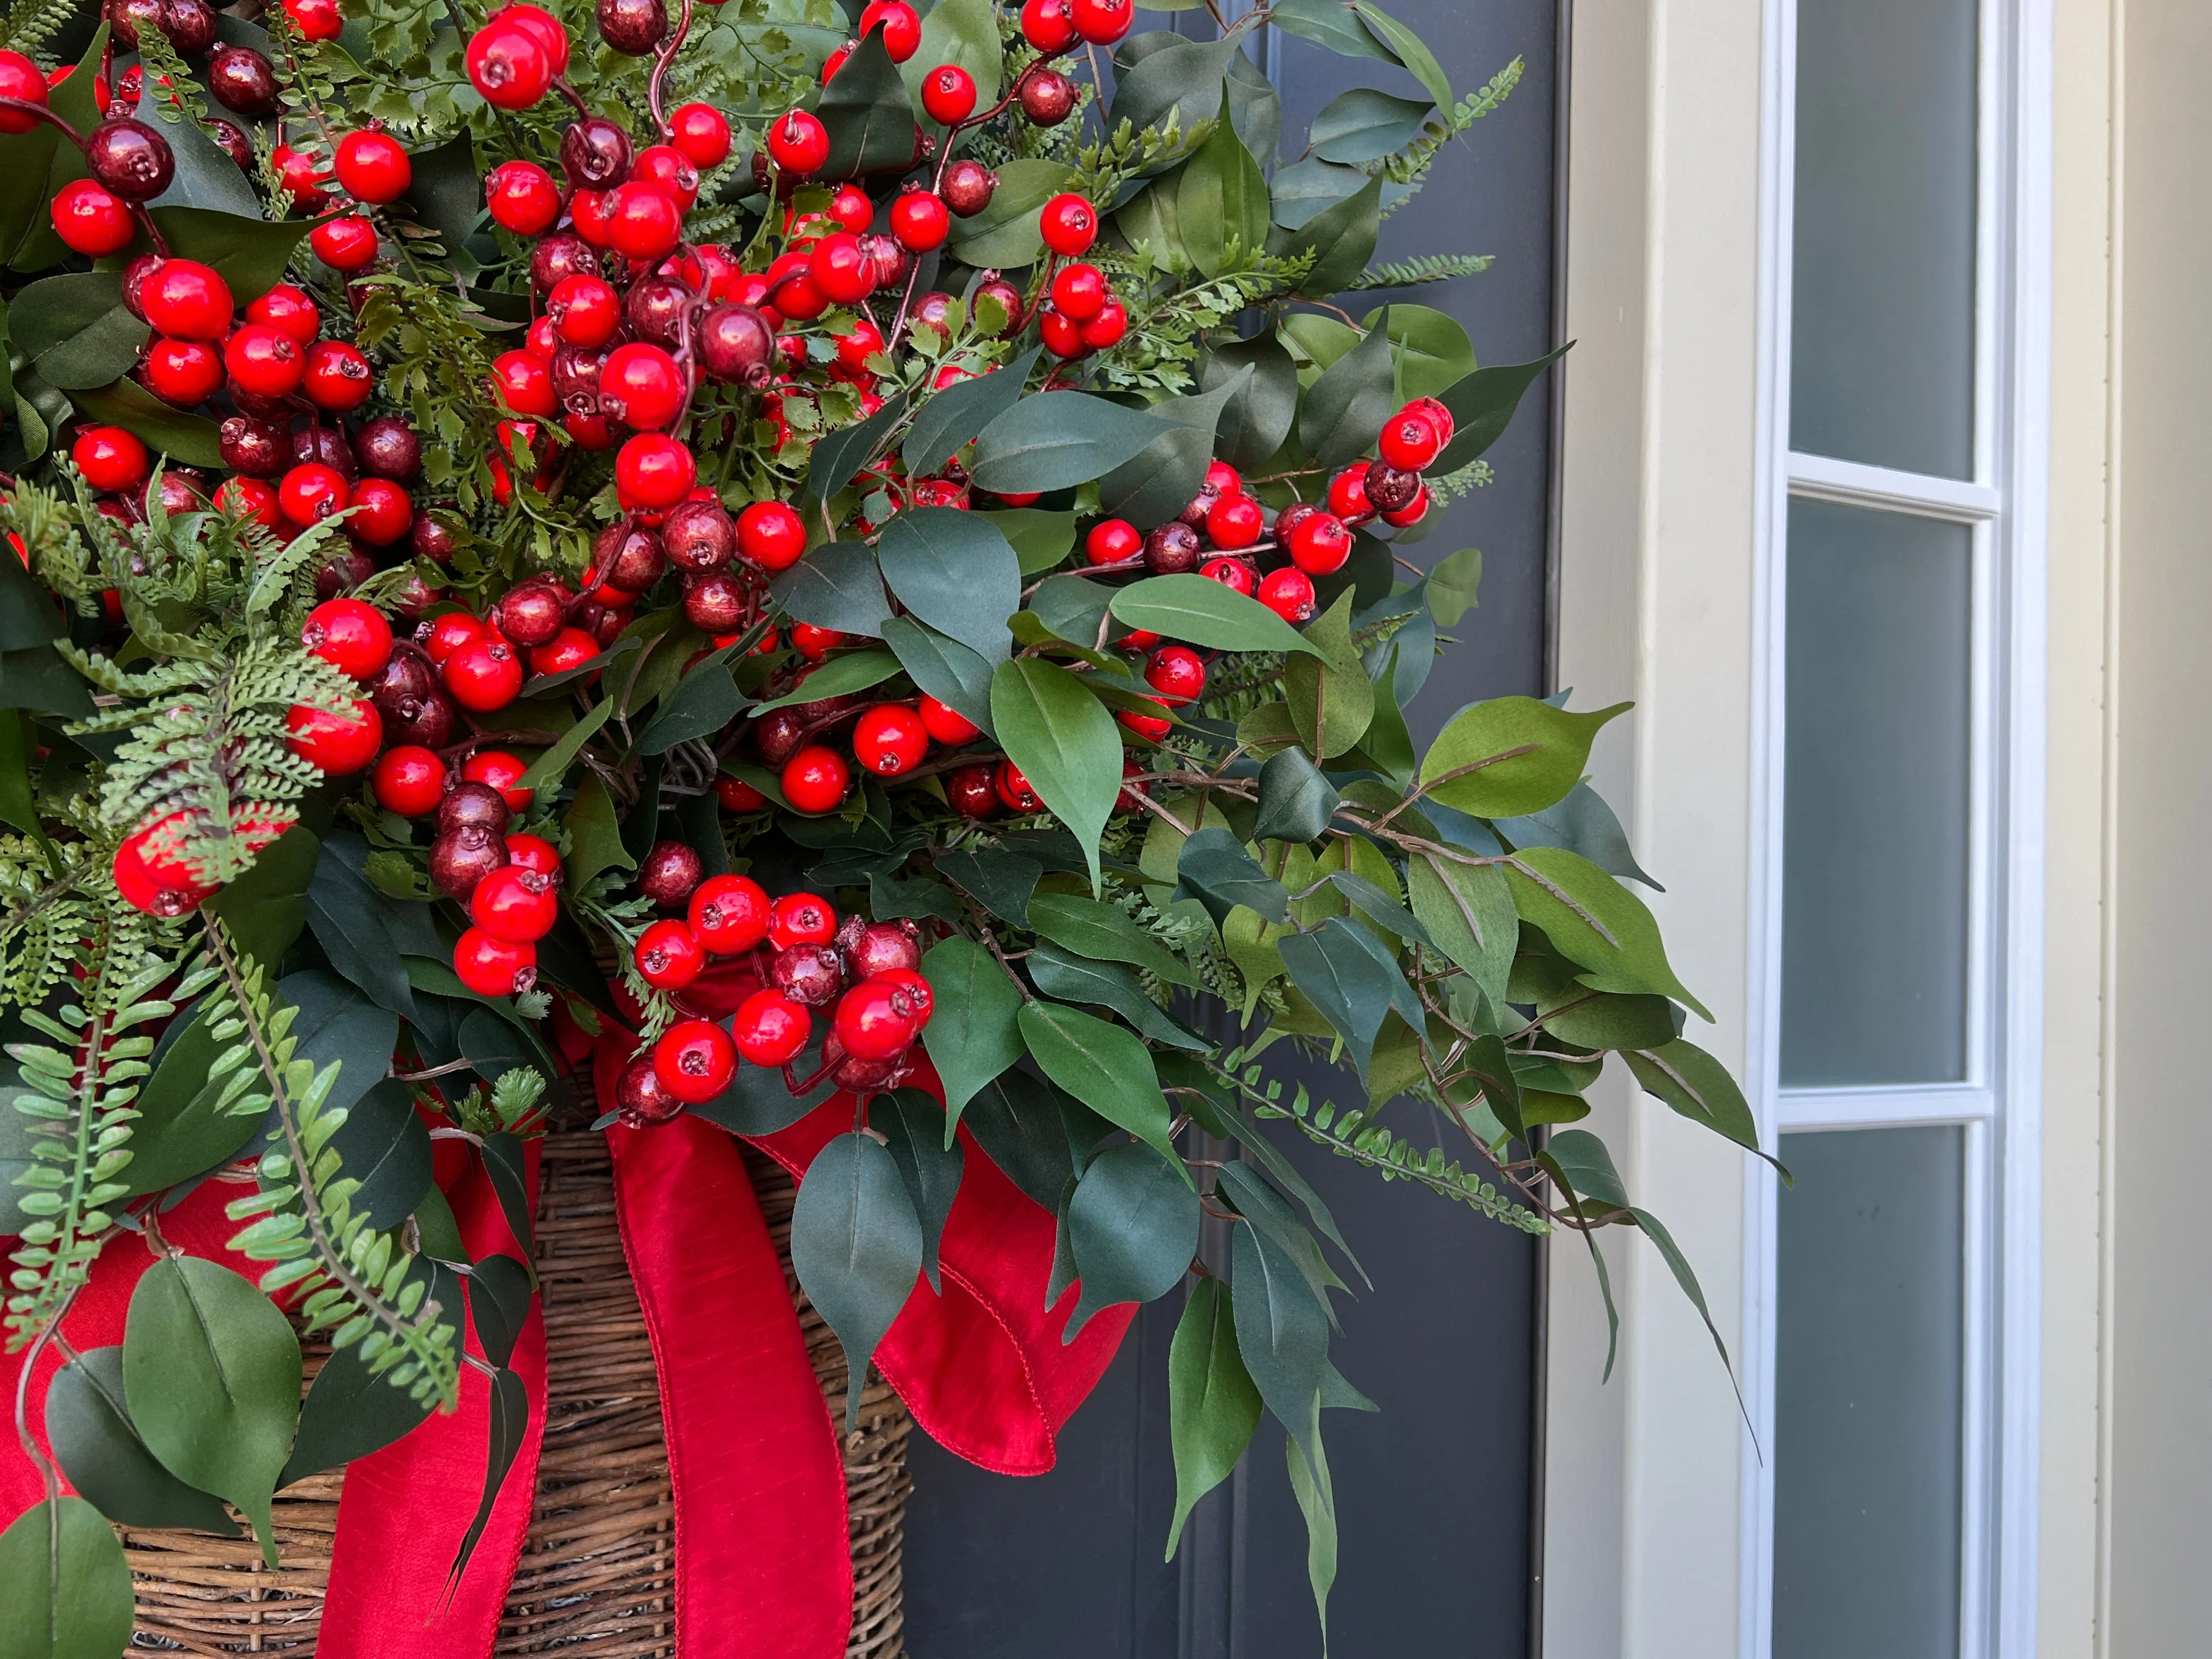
(838, 581)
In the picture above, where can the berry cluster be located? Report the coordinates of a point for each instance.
(805, 957)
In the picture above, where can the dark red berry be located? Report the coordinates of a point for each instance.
(242, 81)
(131, 158)
(669, 874)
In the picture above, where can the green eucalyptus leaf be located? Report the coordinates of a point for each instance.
(955, 572)
(1185, 77)
(350, 1413)
(89, 1431)
(1331, 700)
(384, 1145)
(1055, 441)
(856, 1245)
(1482, 406)
(1331, 23)
(921, 1142)
(948, 421)
(974, 1032)
(868, 115)
(1510, 757)
(947, 669)
(193, 439)
(836, 586)
(1296, 801)
(1595, 921)
(1132, 1225)
(1346, 973)
(1005, 234)
(1091, 927)
(1341, 237)
(1214, 867)
(838, 459)
(1041, 539)
(1160, 480)
(1221, 199)
(1201, 611)
(963, 32)
(1260, 411)
(1582, 823)
(1452, 586)
(1432, 349)
(1212, 1406)
(1102, 1065)
(1064, 744)
(1468, 909)
(1306, 189)
(212, 1373)
(76, 329)
(846, 671)
(1066, 977)
(1407, 48)
(1002, 883)
(1364, 125)
(65, 1585)
(1345, 409)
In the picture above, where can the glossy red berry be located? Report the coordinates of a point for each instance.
(667, 169)
(815, 642)
(570, 648)
(1410, 439)
(1112, 540)
(702, 132)
(838, 268)
(483, 675)
(1176, 672)
(20, 78)
(851, 208)
(891, 739)
(311, 492)
(516, 905)
(523, 383)
(508, 66)
(801, 919)
(410, 781)
(351, 634)
(876, 1020)
(1347, 494)
(584, 310)
(160, 884)
(543, 26)
(335, 743)
(345, 245)
(921, 221)
(771, 1028)
(816, 780)
(948, 94)
(1231, 573)
(185, 301)
(1048, 25)
(695, 1061)
(494, 967)
(771, 535)
(522, 198)
(249, 498)
(1014, 791)
(1289, 594)
(265, 361)
(338, 377)
(1320, 544)
(902, 26)
(728, 914)
(382, 511)
(111, 458)
(973, 790)
(641, 386)
(1101, 22)
(736, 795)
(502, 771)
(1234, 521)
(798, 143)
(449, 633)
(92, 220)
(945, 724)
(653, 471)
(289, 311)
(1079, 291)
(372, 166)
(667, 956)
(644, 222)
(1107, 328)
(185, 373)
(1069, 224)
(1412, 512)
(301, 176)
(1061, 334)
(534, 853)
(316, 20)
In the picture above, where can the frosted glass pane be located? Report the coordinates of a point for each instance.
(1882, 364)
(1874, 916)
(1869, 1348)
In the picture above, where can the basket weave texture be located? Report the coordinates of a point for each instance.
(598, 1574)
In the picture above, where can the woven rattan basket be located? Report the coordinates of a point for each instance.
(597, 1578)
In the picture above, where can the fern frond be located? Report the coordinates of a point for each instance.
(30, 24)
(1429, 268)
(1409, 164)
(347, 1278)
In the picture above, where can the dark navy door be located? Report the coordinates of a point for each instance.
(1435, 1494)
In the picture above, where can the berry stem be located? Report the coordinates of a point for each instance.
(666, 56)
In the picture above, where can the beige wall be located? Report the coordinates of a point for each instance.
(1643, 1522)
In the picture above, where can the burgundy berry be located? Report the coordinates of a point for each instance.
(1390, 490)
(655, 307)
(386, 447)
(1048, 97)
(327, 446)
(532, 613)
(243, 80)
(1008, 296)
(734, 344)
(433, 540)
(628, 557)
(699, 536)
(809, 974)
(560, 256)
(633, 28)
(344, 572)
(968, 186)
(669, 874)
(713, 603)
(255, 448)
(131, 158)
(886, 256)
(885, 947)
(472, 803)
(642, 1099)
(233, 141)
(190, 25)
(459, 859)
(126, 17)
(778, 734)
(595, 153)
(1171, 550)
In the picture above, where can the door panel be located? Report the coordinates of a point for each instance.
(1433, 1493)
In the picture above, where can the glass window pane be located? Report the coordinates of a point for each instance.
(1875, 798)
(1869, 1345)
(1882, 363)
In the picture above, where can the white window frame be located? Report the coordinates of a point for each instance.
(1999, 1103)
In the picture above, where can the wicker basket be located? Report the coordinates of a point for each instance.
(598, 1574)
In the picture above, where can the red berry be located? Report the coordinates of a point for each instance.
(289, 311)
(338, 377)
(641, 386)
(249, 498)
(838, 268)
(798, 143)
(813, 642)
(1048, 25)
(383, 512)
(1014, 790)
(186, 299)
(1112, 540)
(1224, 479)
(876, 1020)
(771, 535)
(667, 169)
(523, 383)
(494, 967)
(737, 795)
(902, 26)
(311, 492)
(948, 94)
(346, 245)
(921, 221)
(1412, 512)
(449, 633)
(185, 373)
(1069, 224)
(410, 781)
(111, 458)
(816, 780)
(334, 742)
(544, 27)
(1079, 291)
(801, 919)
(1234, 521)
(585, 311)
(20, 78)
(373, 166)
(1101, 22)
(302, 177)
(483, 675)
(1320, 544)
(667, 956)
(1410, 439)
(1347, 494)
(265, 361)
(316, 20)
(160, 884)
(891, 739)
(973, 790)
(1061, 334)
(728, 914)
(508, 66)
(572, 647)
(534, 853)
(1107, 328)
(1231, 573)
(92, 220)
(1177, 672)
(522, 198)
(515, 905)
(1150, 727)
(771, 1028)
(853, 350)
(945, 724)
(503, 772)
(643, 221)
(351, 634)
(702, 132)
(695, 1061)
(653, 471)
(1289, 594)
(851, 208)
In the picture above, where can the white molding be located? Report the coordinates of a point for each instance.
(1886, 491)
(1797, 1110)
